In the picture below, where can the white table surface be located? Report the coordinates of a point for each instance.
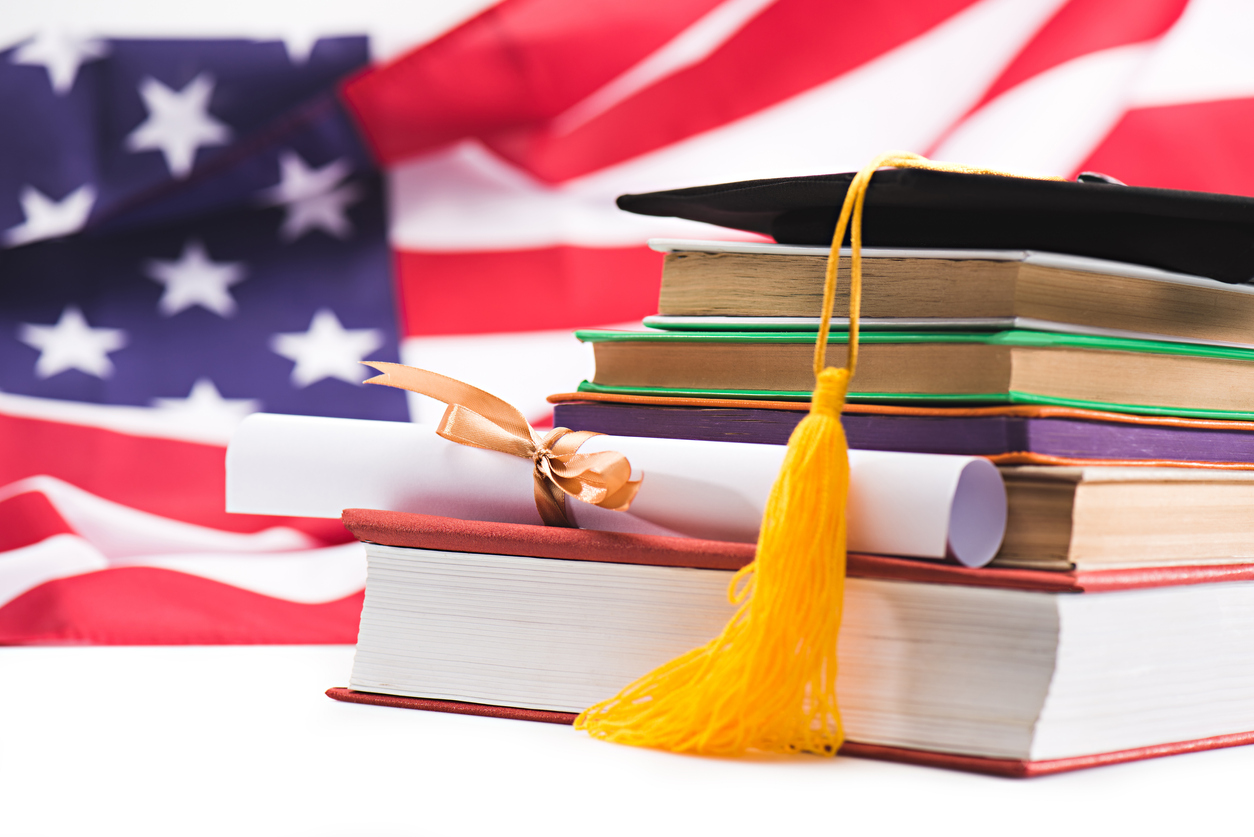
(241, 741)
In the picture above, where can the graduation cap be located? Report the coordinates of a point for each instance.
(1187, 232)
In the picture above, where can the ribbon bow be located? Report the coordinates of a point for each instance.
(479, 419)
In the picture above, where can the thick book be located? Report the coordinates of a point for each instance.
(943, 368)
(1011, 672)
(1098, 516)
(756, 286)
(1196, 233)
(1016, 434)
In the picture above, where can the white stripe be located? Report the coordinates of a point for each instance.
(689, 48)
(1208, 55)
(308, 577)
(1052, 122)
(522, 368)
(121, 532)
(135, 421)
(56, 557)
(468, 199)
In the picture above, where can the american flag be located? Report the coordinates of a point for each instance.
(192, 229)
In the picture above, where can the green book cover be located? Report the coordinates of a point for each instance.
(1016, 338)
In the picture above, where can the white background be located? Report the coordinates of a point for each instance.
(241, 741)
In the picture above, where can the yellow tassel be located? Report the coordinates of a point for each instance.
(768, 682)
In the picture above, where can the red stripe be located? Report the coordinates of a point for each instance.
(1085, 26)
(517, 63)
(502, 82)
(526, 290)
(180, 480)
(1081, 27)
(147, 606)
(1204, 146)
(791, 47)
(29, 518)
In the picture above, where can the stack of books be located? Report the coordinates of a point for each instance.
(1117, 621)
(1114, 433)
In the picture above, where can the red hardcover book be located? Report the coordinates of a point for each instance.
(1001, 671)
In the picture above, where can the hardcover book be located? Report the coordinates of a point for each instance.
(1011, 672)
(1015, 434)
(940, 368)
(750, 286)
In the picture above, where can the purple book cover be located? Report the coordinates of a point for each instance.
(979, 435)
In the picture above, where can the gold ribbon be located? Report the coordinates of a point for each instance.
(479, 419)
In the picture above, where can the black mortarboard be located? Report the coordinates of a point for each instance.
(1188, 232)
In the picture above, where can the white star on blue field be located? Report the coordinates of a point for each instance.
(216, 246)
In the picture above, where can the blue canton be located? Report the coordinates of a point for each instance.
(191, 220)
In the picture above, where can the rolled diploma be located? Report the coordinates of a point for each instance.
(911, 504)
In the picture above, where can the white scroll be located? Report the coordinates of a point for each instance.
(911, 504)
